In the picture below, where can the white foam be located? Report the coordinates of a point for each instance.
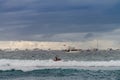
(28, 65)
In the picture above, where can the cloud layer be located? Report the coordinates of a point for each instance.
(59, 20)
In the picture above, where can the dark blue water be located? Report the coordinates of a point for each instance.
(60, 74)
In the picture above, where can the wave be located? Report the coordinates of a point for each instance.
(65, 74)
(29, 65)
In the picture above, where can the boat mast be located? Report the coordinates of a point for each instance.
(97, 44)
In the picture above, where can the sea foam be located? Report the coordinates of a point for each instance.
(29, 65)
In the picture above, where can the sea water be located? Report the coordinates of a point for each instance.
(39, 65)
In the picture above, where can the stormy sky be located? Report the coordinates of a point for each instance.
(59, 20)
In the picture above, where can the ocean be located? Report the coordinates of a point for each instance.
(39, 65)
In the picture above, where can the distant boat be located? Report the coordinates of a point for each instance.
(56, 59)
(73, 50)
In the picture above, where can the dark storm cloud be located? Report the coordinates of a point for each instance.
(39, 17)
(89, 35)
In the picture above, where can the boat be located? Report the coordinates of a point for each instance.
(72, 50)
(56, 59)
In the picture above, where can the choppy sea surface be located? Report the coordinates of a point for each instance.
(39, 65)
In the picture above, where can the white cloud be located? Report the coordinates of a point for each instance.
(103, 44)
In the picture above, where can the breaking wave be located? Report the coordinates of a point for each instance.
(29, 65)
